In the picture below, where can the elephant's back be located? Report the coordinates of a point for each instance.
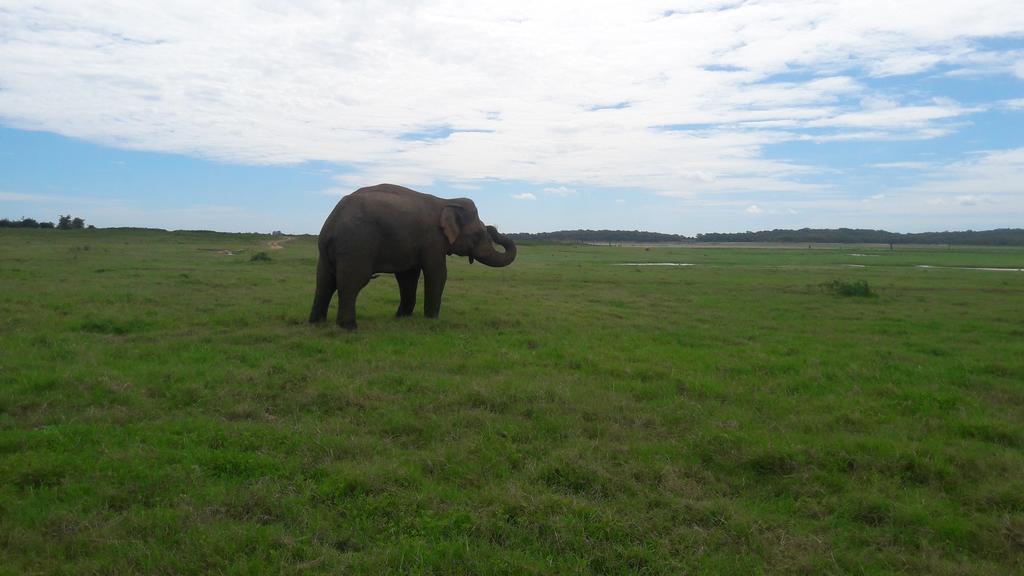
(387, 203)
(360, 204)
(390, 195)
(384, 209)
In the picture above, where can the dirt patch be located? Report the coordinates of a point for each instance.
(223, 251)
(276, 244)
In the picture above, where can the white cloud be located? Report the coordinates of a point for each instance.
(753, 209)
(1018, 69)
(337, 191)
(985, 188)
(909, 165)
(972, 200)
(63, 199)
(877, 102)
(893, 117)
(607, 94)
(524, 196)
(559, 191)
(991, 177)
(18, 197)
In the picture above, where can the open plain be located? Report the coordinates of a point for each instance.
(166, 409)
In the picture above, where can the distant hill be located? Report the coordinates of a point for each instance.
(999, 237)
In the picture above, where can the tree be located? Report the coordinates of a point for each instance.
(68, 222)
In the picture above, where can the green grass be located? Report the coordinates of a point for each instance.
(165, 409)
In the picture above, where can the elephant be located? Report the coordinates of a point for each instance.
(394, 230)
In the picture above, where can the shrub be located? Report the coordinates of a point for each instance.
(845, 288)
(260, 257)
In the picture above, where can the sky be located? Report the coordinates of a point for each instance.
(672, 116)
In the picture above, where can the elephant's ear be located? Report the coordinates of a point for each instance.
(450, 223)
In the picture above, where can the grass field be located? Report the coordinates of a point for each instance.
(165, 409)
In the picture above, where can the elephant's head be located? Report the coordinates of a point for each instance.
(467, 235)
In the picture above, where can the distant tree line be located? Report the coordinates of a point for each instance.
(24, 223)
(591, 236)
(999, 237)
(65, 222)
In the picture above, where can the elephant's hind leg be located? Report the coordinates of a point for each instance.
(350, 281)
(407, 281)
(326, 284)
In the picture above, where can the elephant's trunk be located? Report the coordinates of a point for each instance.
(491, 257)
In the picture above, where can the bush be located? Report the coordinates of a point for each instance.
(845, 288)
(260, 257)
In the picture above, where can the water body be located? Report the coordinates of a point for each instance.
(847, 265)
(653, 264)
(966, 268)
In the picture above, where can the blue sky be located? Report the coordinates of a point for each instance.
(683, 117)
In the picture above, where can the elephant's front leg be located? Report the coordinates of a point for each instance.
(407, 282)
(433, 284)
